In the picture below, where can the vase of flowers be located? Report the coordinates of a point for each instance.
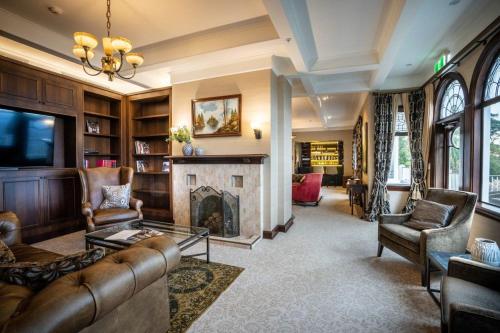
(182, 135)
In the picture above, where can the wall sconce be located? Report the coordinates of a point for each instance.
(257, 131)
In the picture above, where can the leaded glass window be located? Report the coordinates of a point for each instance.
(453, 100)
(401, 127)
(492, 86)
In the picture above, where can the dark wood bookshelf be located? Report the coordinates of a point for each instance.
(106, 110)
(149, 122)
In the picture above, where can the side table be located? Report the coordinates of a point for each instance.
(439, 261)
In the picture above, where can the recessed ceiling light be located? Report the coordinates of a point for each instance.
(453, 2)
(55, 10)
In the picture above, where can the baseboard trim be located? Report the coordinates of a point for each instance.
(266, 234)
(287, 225)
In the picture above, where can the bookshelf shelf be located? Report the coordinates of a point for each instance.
(153, 136)
(100, 135)
(152, 117)
(100, 115)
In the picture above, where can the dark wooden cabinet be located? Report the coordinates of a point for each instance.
(60, 93)
(45, 201)
(31, 89)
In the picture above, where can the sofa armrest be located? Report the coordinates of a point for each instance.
(394, 218)
(79, 299)
(87, 209)
(135, 204)
(468, 318)
(475, 272)
(10, 228)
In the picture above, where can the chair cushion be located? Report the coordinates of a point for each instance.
(6, 255)
(36, 275)
(430, 215)
(11, 297)
(458, 291)
(113, 215)
(406, 237)
(115, 196)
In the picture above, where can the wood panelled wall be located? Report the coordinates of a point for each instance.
(47, 200)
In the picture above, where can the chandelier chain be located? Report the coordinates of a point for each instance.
(108, 17)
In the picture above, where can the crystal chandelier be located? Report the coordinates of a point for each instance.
(110, 64)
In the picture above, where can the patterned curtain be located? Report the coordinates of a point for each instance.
(416, 110)
(384, 136)
(357, 149)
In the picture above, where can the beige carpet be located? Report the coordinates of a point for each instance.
(321, 276)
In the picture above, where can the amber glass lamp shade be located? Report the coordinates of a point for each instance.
(121, 44)
(85, 39)
(79, 52)
(135, 59)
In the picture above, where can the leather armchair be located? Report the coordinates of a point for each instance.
(470, 297)
(414, 244)
(92, 181)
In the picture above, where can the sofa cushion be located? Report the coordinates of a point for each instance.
(113, 215)
(430, 215)
(11, 298)
(115, 196)
(6, 255)
(36, 275)
(298, 178)
(458, 291)
(406, 237)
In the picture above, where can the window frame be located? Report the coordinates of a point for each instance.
(480, 74)
(399, 186)
(442, 128)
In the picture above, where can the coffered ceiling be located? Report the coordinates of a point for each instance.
(332, 51)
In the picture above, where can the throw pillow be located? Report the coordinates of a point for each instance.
(115, 196)
(37, 275)
(430, 215)
(298, 178)
(6, 255)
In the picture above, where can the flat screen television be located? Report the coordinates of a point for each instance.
(26, 139)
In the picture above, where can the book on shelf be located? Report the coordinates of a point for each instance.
(106, 163)
(142, 166)
(142, 148)
(86, 164)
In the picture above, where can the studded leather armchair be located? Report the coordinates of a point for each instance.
(92, 181)
(414, 245)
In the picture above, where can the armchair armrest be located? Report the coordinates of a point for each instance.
(10, 228)
(87, 209)
(394, 218)
(469, 318)
(475, 272)
(135, 204)
(452, 238)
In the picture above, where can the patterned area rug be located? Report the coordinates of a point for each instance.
(193, 286)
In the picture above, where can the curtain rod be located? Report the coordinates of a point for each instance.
(396, 91)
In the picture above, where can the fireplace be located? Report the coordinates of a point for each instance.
(217, 211)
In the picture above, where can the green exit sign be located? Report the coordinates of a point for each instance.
(438, 65)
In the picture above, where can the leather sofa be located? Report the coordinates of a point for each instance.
(414, 245)
(124, 292)
(470, 297)
(92, 181)
(309, 191)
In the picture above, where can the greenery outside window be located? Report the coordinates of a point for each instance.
(400, 172)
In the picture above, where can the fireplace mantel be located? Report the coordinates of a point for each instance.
(219, 159)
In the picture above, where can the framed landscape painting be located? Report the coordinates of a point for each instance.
(216, 116)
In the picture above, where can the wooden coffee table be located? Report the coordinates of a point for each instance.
(184, 236)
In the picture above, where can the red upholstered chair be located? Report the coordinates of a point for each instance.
(309, 191)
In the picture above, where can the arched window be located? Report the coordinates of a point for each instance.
(451, 104)
(490, 175)
(453, 100)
